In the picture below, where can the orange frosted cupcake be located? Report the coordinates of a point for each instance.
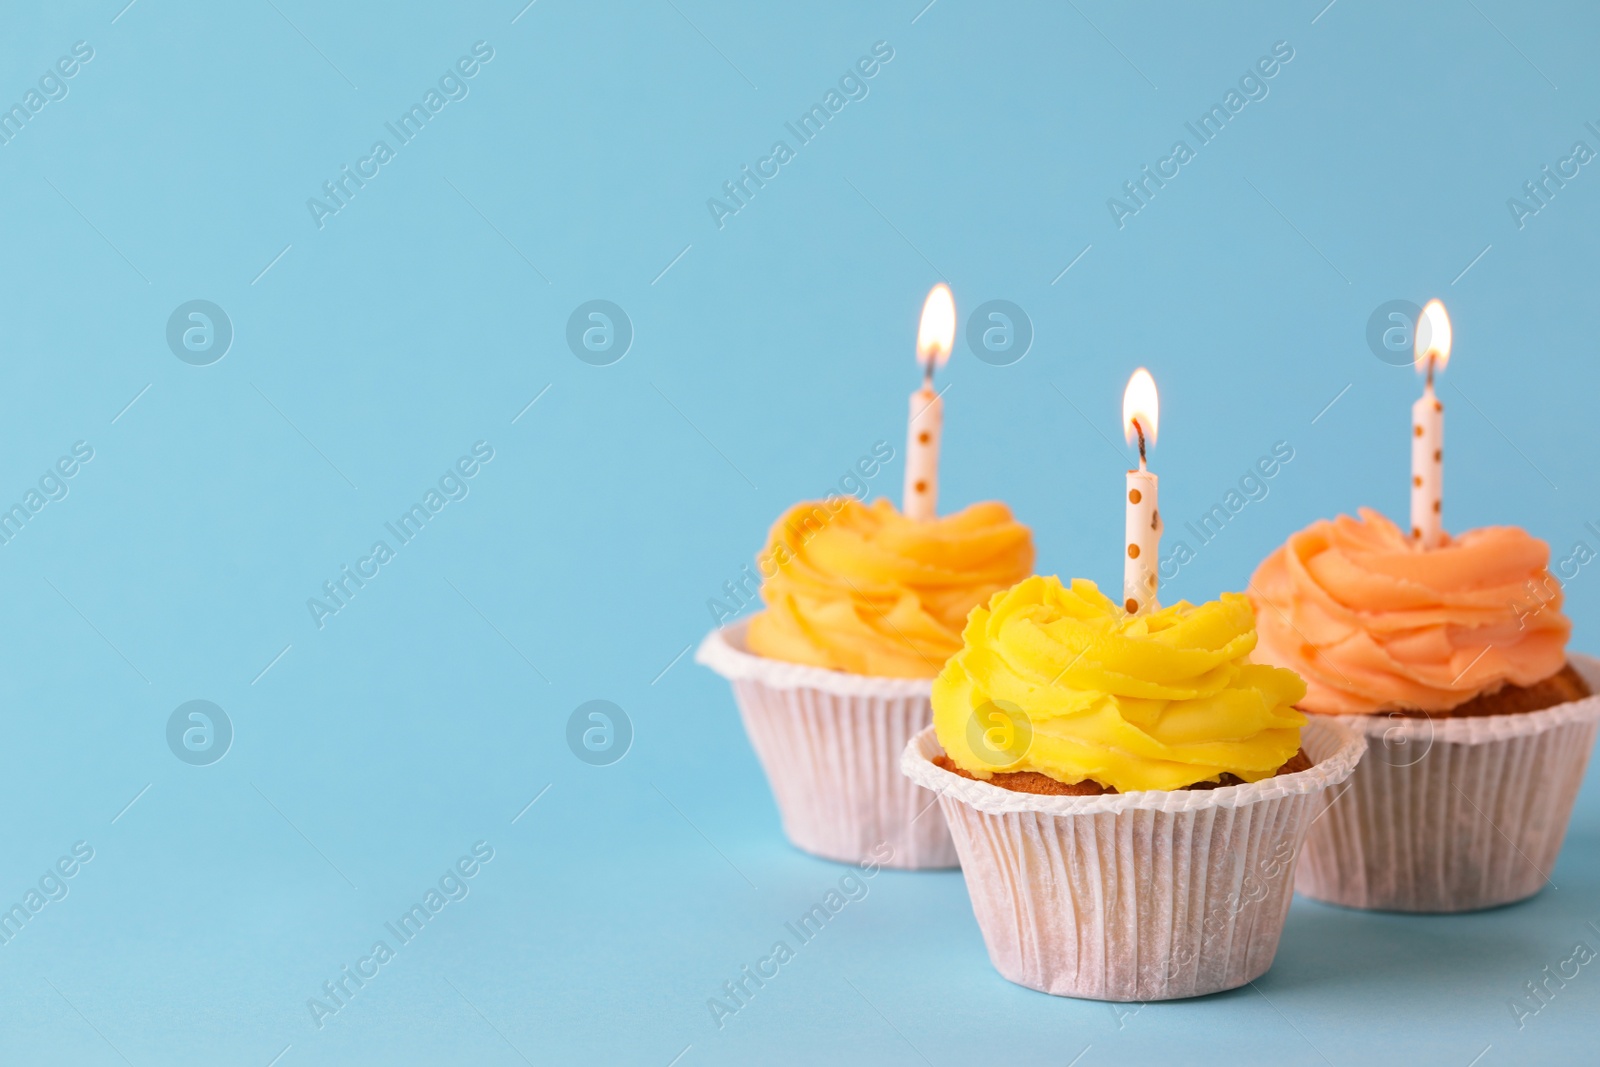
(832, 679)
(1453, 661)
(1374, 624)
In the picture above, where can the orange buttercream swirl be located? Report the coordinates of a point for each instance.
(865, 590)
(1374, 623)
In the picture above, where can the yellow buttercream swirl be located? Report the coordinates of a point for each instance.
(863, 589)
(1064, 682)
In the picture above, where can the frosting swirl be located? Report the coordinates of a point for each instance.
(865, 590)
(1374, 623)
(1062, 681)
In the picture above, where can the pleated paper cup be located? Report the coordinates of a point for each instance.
(830, 743)
(1150, 895)
(1453, 814)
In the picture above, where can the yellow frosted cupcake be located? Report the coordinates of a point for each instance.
(1114, 702)
(863, 607)
(1126, 792)
(869, 591)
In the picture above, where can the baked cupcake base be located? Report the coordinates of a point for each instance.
(830, 744)
(1150, 895)
(1044, 785)
(1562, 687)
(1456, 813)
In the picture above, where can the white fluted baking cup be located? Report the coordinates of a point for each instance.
(1453, 814)
(1149, 895)
(830, 743)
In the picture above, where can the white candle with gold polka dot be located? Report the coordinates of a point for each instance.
(922, 454)
(935, 336)
(1142, 527)
(1142, 543)
(1427, 429)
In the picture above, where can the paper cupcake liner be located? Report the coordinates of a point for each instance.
(830, 743)
(1453, 814)
(1150, 895)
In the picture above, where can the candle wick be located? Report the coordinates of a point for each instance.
(927, 374)
(1432, 358)
(1140, 431)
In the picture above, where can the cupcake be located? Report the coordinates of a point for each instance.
(1126, 793)
(862, 607)
(1454, 658)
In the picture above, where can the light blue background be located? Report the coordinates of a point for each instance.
(772, 354)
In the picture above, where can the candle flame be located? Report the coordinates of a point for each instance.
(1139, 402)
(1433, 338)
(937, 333)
